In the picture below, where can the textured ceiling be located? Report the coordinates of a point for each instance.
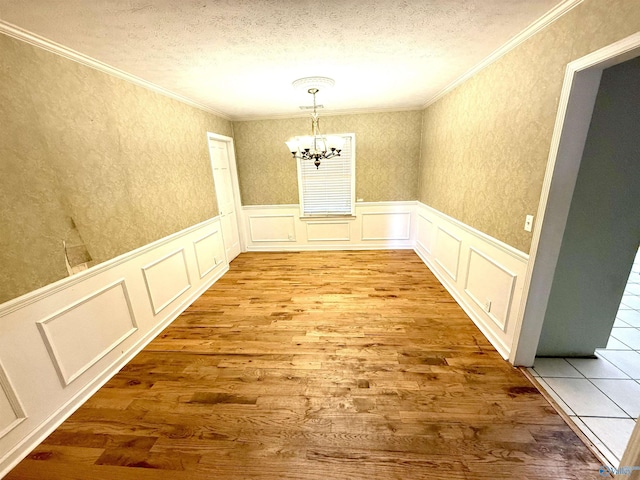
(239, 57)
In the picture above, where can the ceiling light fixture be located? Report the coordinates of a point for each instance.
(316, 146)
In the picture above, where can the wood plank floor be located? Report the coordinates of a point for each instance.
(316, 365)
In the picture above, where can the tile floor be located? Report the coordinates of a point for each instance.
(602, 395)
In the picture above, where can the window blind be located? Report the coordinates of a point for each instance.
(328, 190)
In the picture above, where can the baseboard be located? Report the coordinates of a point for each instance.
(44, 412)
(496, 342)
(316, 248)
(483, 275)
(374, 226)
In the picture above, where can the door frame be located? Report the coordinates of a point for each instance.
(235, 184)
(577, 100)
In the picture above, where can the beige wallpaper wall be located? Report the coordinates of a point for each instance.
(125, 165)
(485, 144)
(387, 155)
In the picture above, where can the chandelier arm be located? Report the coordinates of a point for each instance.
(309, 150)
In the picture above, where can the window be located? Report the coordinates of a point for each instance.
(330, 189)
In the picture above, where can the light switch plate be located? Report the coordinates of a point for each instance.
(528, 223)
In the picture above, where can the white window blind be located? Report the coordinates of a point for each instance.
(329, 189)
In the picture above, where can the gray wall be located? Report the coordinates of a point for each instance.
(603, 228)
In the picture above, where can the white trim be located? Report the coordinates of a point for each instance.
(157, 309)
(70, 54)
(28, 443)
(285, 206)
(543, 22)
(215, 261)
(496, 341)
(405, 237)
(418, 242)
(48, 290)
(503, 325)
(453, 275)
(67, 377)
(271, 235)
(271, 207)
(577, 99)
(466, 241)
(333, 239)
(292, 238)
(235, 184)
(14, 401)
(322, 248)
(514, 252)
(27, 361)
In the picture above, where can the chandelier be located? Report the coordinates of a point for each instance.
(316, 146)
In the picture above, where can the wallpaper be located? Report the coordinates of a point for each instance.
(387, 155)
(485, 144)
(88, 158)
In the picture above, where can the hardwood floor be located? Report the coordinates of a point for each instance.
(316, 365)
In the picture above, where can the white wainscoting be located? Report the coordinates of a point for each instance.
(166, 278)
(375, 225)
(61, 343)
(272, 227)
(72, 341)
(484, 275)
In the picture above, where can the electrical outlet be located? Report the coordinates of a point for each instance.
(528, 223)
(487, 305)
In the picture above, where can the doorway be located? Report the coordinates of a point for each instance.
(602, 395)
(570, 381)
(575, 110)
(225, 179)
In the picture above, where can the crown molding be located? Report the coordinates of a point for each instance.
(70, 54)
(543, 22)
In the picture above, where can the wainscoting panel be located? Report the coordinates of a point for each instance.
(386, 226)
(493, 297)
(328, 231)
(375, 225)
(70, 337)
(210, 252)
(424, 233)
(272, 228)
(60, 343)
(166, 279)
(11, 411)
(447, 252)
(484, 275)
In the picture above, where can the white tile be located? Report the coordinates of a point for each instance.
(632, 289)
(532, 372)
(596, 368)
(628, 336)
(621, 324)
(625, 393)
(627, 361)
(615, 344)
(613, 432)
(555, 367)
(632, 317)
(612, 460)
(555, 396)
(584, 398)
(632, 301)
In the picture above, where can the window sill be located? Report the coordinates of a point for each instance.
(327, 217)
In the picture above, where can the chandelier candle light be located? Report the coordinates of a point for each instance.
(316, 146)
